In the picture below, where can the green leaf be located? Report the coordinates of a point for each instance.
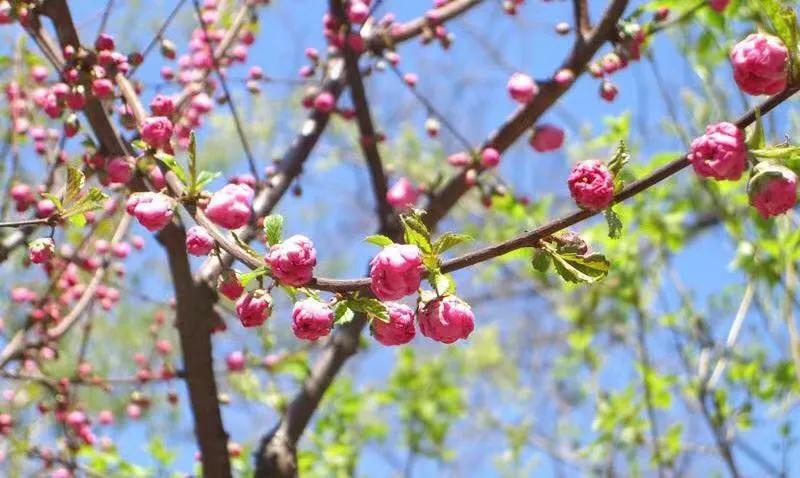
(756, 139)
(369, 306)
(444, 284)
(540, 260)
(273, 228)
(91, 201)
(139, 144)
(204, 178)
(580, 269)
(160, 452)
(342, 314)
(173, 165)
(75, 182)
(415, 232)
(379, 240)
(614, 223)
(448, 240)
(247, 277)
(777, 152)
(78, 220)
(192, 161)
(619, 159)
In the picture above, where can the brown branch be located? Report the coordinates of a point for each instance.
(526, 116)
(382, 39)
(195, 318)
(582, 24)
(368, 138)
(194, 303)
(532, 238)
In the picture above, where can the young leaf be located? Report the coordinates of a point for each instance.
(173, 165)
(756, 139)
(342, 314)
(77, 220)
(204, 178)
(617, 162)
(580, 269)
(415, 232)
(192, 161)
(540, 260)
(247, 277)
(93, 200)
(369, 306)
(614, 223)
(75, 182)
(379, 240)
(444, 284)
(273, 228)
(139, 144)
(619, 159)
(449, 240)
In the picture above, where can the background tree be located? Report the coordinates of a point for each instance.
(309, 238)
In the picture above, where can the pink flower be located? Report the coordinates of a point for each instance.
(402, 195)
(230, 206)
(105, 417)
(459, 159)
(292, 261)
(198, 241)
(156, 131)
(547, 138)
(772, 189)
(721, 153)
(121, 250)
(162, 105)
(760, 64)
(324, 102)
(490, 158)
(104, 42)
(45, 208)
(608, 90)
(21, 192)
(358, 12)
(591, 185)
(254, 308)
(400, 328)
(102, 88)
(229, 285)
(120, 170)
(22, 294)
(446, 319)
(311, 319)
(396, 271)
(235, 361)
(522, 88)
(718, 5)
(41, 250)
(152, 210)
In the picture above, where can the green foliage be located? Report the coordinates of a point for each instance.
(273, 228)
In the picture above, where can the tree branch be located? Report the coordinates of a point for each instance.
(368, 138)
(526, 116)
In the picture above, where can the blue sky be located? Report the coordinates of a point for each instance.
(469, 84)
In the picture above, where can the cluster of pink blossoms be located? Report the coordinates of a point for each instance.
(395, 272)
(760, 66)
